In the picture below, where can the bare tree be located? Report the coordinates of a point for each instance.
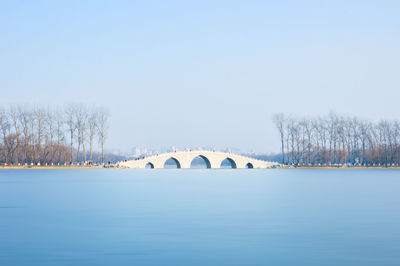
(92, 125)
(13, 113)
(84, 128)
(4, 127)
(50, 122)
(40, 116)
(80, 124)
(70, 121)
(59, 120)
(279, 121)
(23, 116)
(102, 126)
(32, 139)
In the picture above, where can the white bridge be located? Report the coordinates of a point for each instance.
(183, 159)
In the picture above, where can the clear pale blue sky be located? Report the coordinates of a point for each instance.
(206, 73)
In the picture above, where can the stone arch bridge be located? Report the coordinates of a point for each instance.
(183, 159)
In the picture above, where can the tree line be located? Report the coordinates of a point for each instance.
(52, 135)
(338, 140)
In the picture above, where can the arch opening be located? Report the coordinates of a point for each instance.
(199, 162)
(149, 165)
(172, 163)
(249, 166)
(228, 163)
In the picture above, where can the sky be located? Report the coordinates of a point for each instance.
(202, 73)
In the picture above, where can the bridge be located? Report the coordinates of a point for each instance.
(184, 159)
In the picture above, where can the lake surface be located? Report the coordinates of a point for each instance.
(200, 217)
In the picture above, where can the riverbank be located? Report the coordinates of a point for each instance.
(51, 167)
(340, 167)
(108, 167)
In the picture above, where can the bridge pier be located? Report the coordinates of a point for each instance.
(185, 164)
(158, 164)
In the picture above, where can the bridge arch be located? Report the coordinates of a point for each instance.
(228, 161)
(204, 158)
(178, 164)
(149, 165)
(249, 166)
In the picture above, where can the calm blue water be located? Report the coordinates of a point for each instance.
(200, 217)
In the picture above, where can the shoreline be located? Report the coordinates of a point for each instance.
(101, 167)
(51, 167)
(344, 167)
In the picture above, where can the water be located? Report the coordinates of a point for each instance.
(200, 217)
